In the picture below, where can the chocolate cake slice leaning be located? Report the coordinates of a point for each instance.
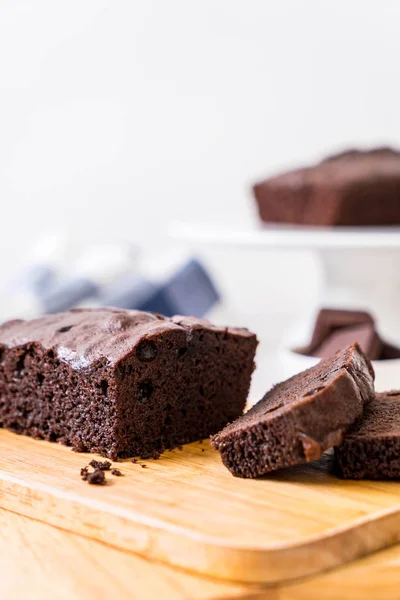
(371, 448)
(120, 382)
(300, 418)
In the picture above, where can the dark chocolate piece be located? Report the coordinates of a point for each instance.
(353, 188)
(116, 472)
(389, 352)
(331, 319)
(371, 447)
(122, 383)
(337, 328)
(300, 418)
(338, 339)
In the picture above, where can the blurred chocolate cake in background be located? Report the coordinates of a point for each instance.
(352, 188)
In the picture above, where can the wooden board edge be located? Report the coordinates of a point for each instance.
(275, 564)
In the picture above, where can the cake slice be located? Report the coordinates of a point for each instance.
(371, 448)
(354, 188)
(300, 418)
(121, 382)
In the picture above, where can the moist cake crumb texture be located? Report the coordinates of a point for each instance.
(300, 418)
(102, 465)
(371, 447)
(122, 383)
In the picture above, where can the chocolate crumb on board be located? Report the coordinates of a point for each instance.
(84, 473)
(116, 472)
(134, 460)
(96, 478)
(202, 450)
(100, 465)
(143, 466)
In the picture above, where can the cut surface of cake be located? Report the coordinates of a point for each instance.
(120, 382)
(371, 448)
(299, 419)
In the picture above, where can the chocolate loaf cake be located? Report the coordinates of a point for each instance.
(122, 383)
(353, 188)
(371, 447)
(300, 418)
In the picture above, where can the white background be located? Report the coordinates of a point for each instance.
(118, 116)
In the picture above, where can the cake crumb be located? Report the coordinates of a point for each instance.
(143, 466)
(116, 472)
(202, 450)
(134, 460)
(96, 478)
(100, 465)
(84, 473)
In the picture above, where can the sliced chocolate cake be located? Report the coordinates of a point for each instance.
(300, 418)
(371, 447)
(120, 382)
(353, 188)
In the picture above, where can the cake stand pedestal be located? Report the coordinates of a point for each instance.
(360, 266)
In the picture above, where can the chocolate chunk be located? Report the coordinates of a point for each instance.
(371, 447)
(330, 320)
(116, 472)
(389, 352)
(338, 339)
(84, 473)
(146, 351)
(300, 418)
(353, 188)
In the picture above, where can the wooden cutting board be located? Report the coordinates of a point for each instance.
(187, 510)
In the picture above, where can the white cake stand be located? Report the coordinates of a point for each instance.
(360, 266)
